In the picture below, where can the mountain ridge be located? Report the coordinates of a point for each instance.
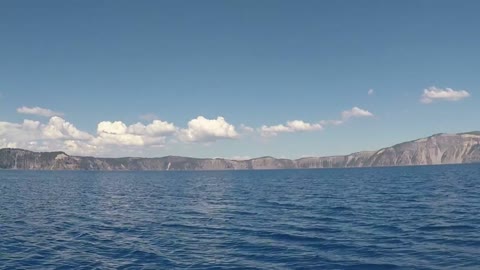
(436, 149)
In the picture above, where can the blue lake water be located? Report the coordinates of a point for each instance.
(376, 218)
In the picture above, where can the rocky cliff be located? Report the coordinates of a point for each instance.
(436, 149)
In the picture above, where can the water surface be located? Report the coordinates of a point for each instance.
(378, 218)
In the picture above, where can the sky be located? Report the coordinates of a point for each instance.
(235, 79)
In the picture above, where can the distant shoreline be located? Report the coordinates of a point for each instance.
(439, 149)
(244, 170)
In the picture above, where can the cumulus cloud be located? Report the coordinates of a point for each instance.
(290, 126)
(58, 128)
(118, 133)
(38, 111)
(433, 93)
(116, 137)
(115, 128)
(58, 134)
(111, 136)
(370, 92)
(12, 133)
(299, 125)
(202, 129)
(156, 128)
(355, 112)
(38, 136)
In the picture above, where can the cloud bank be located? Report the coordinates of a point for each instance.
(58, 134)
(115, 137)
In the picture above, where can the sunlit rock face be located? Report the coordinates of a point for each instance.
(436, 149)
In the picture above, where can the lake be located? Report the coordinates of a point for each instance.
(372, 218)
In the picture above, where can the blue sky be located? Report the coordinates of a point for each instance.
(253, 63)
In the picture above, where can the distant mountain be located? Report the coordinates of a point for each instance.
(436, 149)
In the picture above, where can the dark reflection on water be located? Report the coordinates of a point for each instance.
(385, 218)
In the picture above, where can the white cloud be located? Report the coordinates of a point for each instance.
(117, 133)
(37, 136)
(355, 112)
(273, 130)
(80, 148)
(433, 93)
(115, 137)
(58, 128)
(117, 127)
(299, 125)
(202, 129)
(247, 129)
(38, 111)
(105, 138)
(6, 144)
(331, 122)
(156, 128)
(371, 92)
(13, 133)
(290, 126)
(58, 134)
(112, 137)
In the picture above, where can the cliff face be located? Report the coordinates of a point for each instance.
(436, 149)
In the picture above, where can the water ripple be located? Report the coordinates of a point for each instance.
(385, 218)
